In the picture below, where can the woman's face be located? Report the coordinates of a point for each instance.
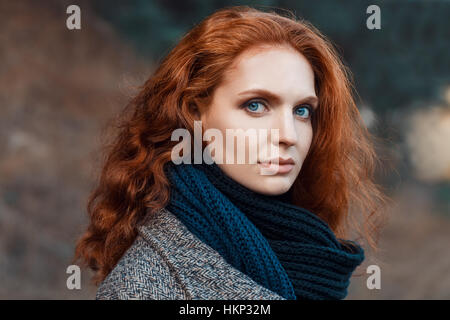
(266, 88)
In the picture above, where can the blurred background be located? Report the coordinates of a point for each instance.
(60, 89)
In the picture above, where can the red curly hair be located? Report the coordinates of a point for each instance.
(337, 173)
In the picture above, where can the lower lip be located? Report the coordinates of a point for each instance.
(278, 168)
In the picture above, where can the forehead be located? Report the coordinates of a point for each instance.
(278, 68)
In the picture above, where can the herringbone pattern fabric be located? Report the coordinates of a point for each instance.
(168, 262)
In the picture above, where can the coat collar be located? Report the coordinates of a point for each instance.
(203, 272)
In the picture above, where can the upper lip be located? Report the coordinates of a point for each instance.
(281, 161)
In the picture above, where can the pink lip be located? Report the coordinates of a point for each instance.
(283, 165)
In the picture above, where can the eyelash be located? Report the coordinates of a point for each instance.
(308, 106)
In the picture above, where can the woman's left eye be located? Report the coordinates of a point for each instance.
(303, 111)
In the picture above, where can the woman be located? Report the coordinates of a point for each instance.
(271, 228)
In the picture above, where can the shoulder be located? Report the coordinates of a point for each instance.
(168, 262)
(141, 274)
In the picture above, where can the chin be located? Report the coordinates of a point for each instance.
(273, 185)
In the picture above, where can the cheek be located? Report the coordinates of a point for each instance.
(305, 135)
(218, 119)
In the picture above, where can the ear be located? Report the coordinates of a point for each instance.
(195, 112)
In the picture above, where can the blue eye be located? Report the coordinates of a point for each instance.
(303, 111)
(254, 106)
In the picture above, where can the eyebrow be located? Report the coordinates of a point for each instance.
(313, 100)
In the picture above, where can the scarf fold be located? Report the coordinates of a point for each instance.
(283, 247)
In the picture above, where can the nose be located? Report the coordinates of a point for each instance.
(286, 126)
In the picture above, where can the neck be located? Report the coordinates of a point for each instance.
(221, 180)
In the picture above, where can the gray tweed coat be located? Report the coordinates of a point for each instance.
(168, 262)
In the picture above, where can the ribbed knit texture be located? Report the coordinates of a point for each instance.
(283, 247)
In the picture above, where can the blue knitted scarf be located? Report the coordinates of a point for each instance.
(283, 247)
